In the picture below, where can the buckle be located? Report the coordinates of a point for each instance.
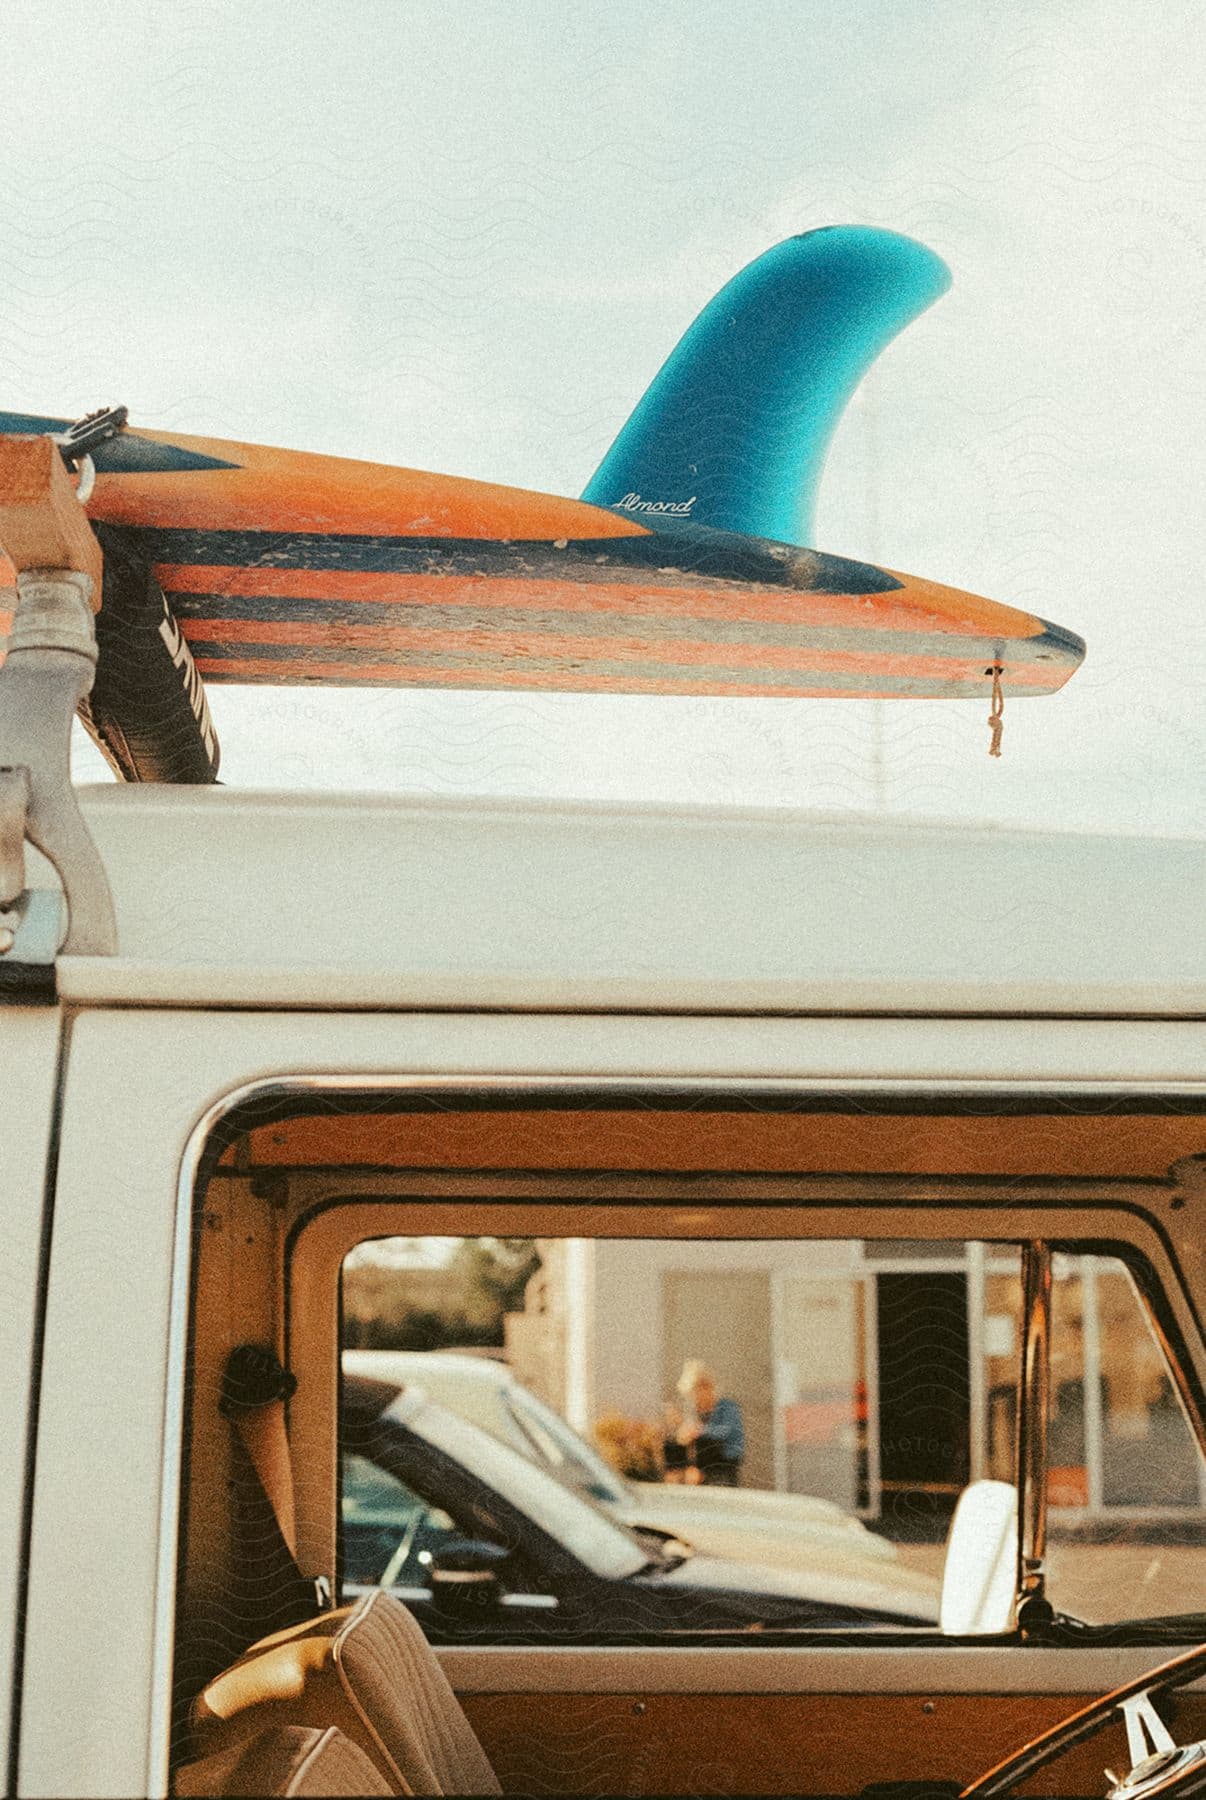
(253, 1377)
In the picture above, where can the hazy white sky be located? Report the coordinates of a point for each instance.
(463, 236)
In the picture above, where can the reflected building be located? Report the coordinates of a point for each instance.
(879, 1374)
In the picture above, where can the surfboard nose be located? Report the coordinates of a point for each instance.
(1057, 644)
(1032, 654)
(1042, 663)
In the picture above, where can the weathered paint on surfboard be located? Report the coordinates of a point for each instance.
(287, 567)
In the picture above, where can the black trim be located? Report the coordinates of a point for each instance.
(28, 984)
(685, 1096)
(185, 1681)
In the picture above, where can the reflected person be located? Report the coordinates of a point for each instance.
(712, 1432)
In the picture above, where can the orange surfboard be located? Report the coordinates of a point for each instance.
(685, 570)
(276, 566)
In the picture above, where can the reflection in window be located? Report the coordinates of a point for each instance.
(870, 1381)
(388, 1533)
(1127, 1479)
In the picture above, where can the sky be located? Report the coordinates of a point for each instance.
(463, 236)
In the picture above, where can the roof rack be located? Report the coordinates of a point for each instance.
(48, 670)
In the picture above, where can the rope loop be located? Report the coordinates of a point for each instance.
(996, 718)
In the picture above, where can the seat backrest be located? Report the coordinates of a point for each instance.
(289, 1761)
(367, 1670)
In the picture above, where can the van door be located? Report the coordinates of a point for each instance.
(515, 1107)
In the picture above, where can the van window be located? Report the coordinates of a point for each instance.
(795, 1419)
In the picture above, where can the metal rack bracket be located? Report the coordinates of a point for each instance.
(47, 671)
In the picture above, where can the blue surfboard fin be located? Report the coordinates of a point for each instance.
(733, 430)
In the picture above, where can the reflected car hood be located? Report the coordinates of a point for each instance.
(892, 1589)
(760, 1500)
(784, 1520)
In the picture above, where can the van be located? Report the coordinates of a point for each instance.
(917, 1062)
(336, 1018)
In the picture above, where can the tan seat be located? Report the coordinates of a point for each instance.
(369, 1671)
(288, 1761)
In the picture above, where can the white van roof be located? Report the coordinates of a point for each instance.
(239, 898)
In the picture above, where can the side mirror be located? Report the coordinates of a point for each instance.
(979, 1575)
(466, 1575)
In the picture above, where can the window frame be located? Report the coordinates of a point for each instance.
(1116, 1215)
(513, 1204)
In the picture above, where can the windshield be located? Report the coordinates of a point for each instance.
(559, 1445)
(589, 1535)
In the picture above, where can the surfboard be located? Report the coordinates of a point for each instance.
(235, 562)
(283, 567)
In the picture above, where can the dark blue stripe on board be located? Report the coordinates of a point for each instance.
(125, 454)
(674, 557)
